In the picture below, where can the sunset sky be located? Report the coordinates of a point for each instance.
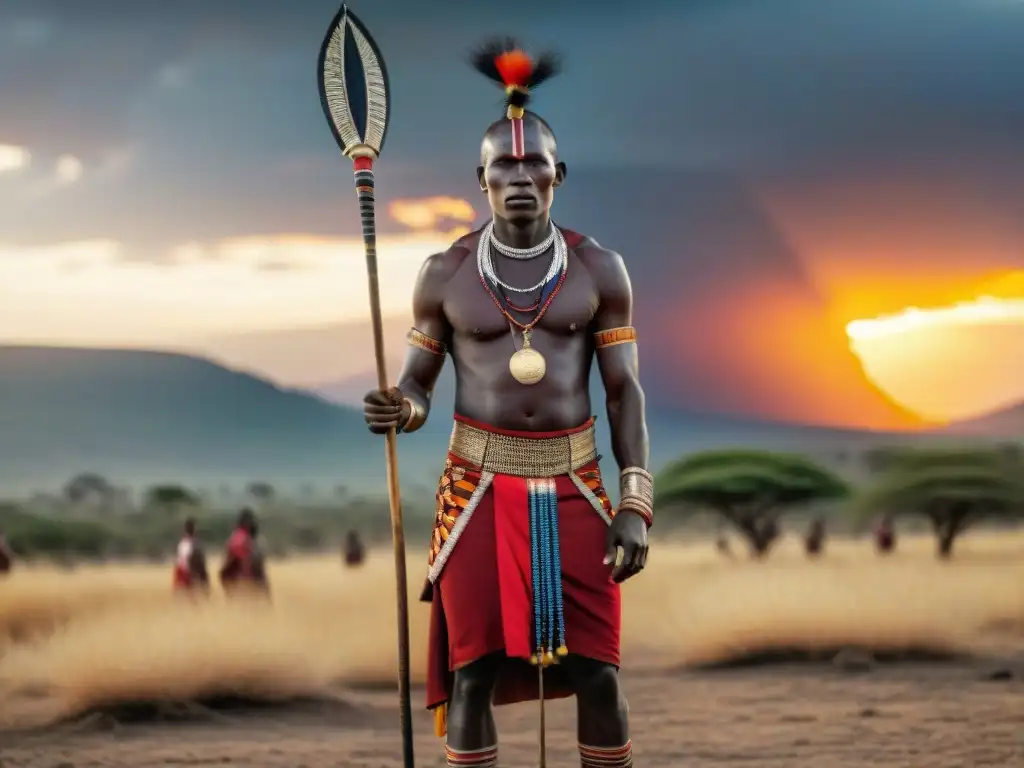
(830, 187)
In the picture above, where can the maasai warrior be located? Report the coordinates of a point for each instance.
(522, 564)
(244, 567)
(355, 552)
(190, 562)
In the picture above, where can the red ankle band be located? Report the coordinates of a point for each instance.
(606, 757)
(472, 758)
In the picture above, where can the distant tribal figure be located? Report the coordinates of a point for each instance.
(885, 536)
(190, 576)
(6, 556)
(355, 552)
(814, 542)
(244, 568)
(722, 544)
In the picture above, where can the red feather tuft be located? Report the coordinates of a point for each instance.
(515, 67)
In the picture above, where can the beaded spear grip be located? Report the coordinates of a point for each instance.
(355, 97)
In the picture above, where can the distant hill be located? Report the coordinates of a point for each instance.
(1006, 422)
(141, 417)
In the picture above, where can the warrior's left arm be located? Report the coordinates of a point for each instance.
(615, 344)
(616, 351)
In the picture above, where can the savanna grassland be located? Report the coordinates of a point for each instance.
(102, 666)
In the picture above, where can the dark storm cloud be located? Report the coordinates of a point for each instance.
(219, 100)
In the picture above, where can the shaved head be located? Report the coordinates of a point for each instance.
(501, 128)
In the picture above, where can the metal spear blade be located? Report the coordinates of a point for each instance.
(354, 88)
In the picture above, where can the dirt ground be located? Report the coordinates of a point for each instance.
(908, 715)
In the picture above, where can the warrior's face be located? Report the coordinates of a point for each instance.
(521, 189)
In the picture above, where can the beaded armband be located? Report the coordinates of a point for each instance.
(421, 340)
(615, 336)
(417, 416)
(636, 486)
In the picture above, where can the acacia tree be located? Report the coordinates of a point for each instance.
(751, 489)
(952, 488)
(263, 492)
(90, 489)
(171, 498)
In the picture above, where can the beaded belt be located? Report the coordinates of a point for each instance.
(533, 457)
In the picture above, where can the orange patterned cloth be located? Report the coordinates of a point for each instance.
(453, 494)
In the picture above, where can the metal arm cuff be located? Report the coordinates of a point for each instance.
(424, 342)
(636, 486)
(417, 416)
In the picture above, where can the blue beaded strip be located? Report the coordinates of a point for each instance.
(546, 567)
(535, 564)
(556, 555)
(548, 576)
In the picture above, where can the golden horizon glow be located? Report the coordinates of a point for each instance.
(984, 310)
(950, 362)
(92, 293)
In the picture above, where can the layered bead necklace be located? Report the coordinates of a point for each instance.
(527, 365)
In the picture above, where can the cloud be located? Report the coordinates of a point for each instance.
(986, 310)
(13, 158)
(33, 265)
(69, 170)
(66, 171)
(429, 213)
(88, 292)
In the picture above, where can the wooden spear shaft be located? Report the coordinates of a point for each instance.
(365, 191)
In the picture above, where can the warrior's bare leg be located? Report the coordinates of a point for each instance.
(470, 717)
(601, 711)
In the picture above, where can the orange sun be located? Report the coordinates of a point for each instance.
(951, 362)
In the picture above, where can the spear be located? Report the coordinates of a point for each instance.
(355, 98)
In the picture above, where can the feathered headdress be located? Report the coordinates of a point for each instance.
(504, 61)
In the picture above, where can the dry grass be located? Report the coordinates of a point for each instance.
(75, 641)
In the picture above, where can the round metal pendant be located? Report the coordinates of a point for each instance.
(527, 366)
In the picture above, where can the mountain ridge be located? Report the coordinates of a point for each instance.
(155, 416)
(143, 416)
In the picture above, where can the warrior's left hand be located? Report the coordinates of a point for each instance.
(628, 531)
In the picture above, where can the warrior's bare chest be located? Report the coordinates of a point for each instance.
(471, 310)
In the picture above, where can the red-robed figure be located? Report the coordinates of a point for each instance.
(244, 568)
(190, 563)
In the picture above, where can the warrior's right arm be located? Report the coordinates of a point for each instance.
(429, 339)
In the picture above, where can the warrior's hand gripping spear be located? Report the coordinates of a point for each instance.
(354, 94)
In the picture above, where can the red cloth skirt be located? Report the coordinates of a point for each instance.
(182, 578)
(481, 602)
